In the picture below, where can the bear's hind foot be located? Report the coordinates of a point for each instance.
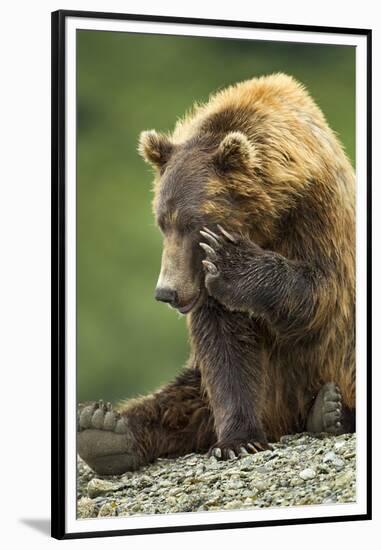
(103, 440)
(100, 416)
(326, 414)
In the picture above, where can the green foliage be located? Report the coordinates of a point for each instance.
(127, 343)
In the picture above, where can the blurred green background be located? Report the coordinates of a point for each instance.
(127, 343)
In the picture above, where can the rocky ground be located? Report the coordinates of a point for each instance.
(301, 469)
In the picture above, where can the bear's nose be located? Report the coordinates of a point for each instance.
(167, 295)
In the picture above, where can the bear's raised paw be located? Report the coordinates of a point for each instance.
(228, 259)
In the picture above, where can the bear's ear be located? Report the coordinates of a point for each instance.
(235, 152)
(155, 148)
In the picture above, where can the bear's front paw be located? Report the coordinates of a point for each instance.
(229, 259)
(233, 448)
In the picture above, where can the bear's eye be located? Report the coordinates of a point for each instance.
(162, 169)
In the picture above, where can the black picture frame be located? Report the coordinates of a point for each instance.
(60, 246)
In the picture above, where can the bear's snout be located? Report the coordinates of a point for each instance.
(166, 295)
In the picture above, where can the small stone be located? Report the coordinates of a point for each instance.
(249, 494)
(86, 508)
(329, 457)
(107, 509)
(167, 483)
(214, 498)
(344, 479)
(144, 481)
(329, 500)
(289, 438)
(349, 454)
(234, 484)
(295, 482)
(293, 458)
(233, 504)
(338, 463)
(339, 446)
(175, 491)
(210, 477)
(284, 483)
(247, 462)
(97, 487)
(308, 473)
(260, 485)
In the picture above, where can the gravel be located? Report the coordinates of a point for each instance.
(301, 469)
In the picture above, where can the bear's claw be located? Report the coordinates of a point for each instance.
(211, 237)
(226, 234)
(222, 263)
(236, 449)
(209, 251)
(211, 247)
(210, 267)
(215, 240)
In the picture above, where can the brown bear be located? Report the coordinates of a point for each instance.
(255, 199)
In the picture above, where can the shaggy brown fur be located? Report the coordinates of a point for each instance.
(272, 316)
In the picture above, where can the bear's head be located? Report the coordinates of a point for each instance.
(204, 181)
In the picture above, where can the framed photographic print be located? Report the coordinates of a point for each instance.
(223, 169)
